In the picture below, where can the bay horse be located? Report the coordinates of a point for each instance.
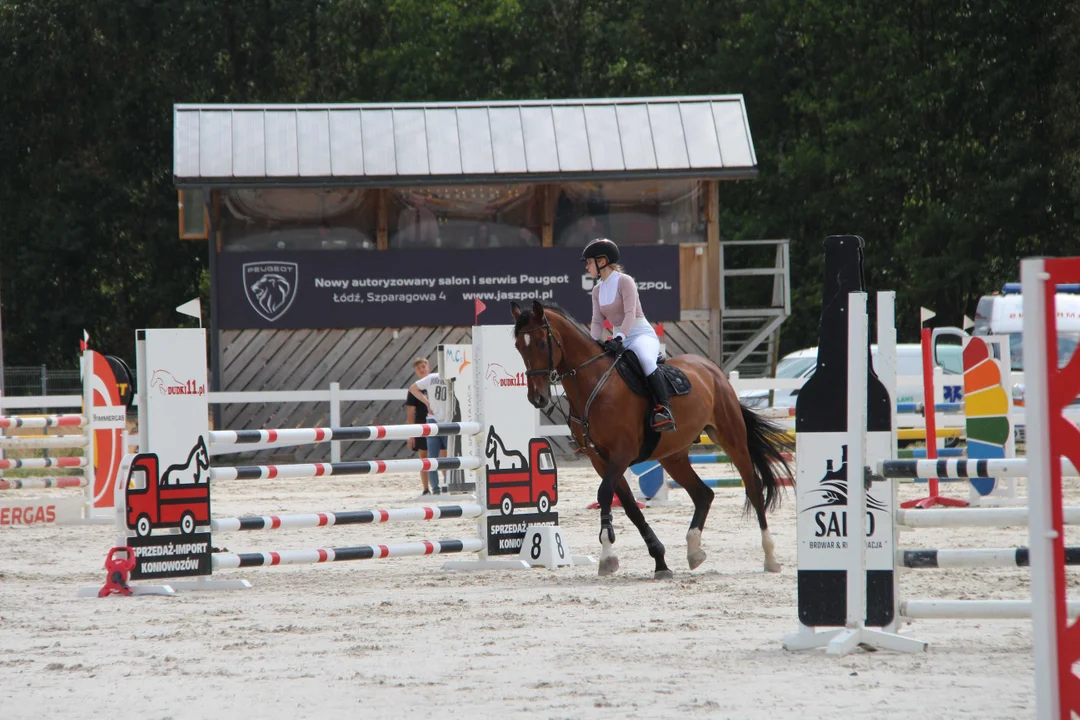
(607, 420)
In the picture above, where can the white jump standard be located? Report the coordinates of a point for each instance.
(1053, 453)
(167, 488)
(102, 441)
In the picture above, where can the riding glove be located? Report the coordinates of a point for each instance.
(613, 345)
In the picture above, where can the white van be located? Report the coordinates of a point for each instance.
(803, 363)
(1004, 315)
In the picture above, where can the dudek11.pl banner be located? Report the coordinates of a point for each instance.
(342, 289)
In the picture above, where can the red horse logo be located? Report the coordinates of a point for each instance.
(499, 376)
(167, 384)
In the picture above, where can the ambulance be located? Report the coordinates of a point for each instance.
(1003, 314)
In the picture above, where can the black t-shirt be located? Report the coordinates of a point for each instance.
(421, 408)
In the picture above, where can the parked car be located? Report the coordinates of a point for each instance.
(802, 363)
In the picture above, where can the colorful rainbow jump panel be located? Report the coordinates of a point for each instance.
(987, 409)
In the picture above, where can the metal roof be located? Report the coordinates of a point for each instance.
(484, 142)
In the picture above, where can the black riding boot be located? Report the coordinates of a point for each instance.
(662, 420)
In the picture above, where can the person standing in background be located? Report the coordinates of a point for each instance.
(416, 412)
(432, 391)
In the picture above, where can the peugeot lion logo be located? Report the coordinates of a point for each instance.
(270, 287)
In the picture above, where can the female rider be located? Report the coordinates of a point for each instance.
(615, 298)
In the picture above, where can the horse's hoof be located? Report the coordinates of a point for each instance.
(663, 575)
(773, 566)
(608, 565)
(695, 558)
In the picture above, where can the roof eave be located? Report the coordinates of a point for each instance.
(744, 173)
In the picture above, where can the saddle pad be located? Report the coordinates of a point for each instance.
(630, 371)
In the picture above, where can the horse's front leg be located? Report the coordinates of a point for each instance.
(609, 561)
(656, 548)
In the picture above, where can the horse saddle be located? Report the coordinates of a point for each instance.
(630, 371)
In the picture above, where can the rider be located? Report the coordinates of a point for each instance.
(615, 298)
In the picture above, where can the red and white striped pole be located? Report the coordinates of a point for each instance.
(360, 467)
(229, 561)
(1051, 438)
(41, 463)
(309, 436)
(349, 517)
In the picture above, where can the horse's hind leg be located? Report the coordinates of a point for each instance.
(739, 455)
(682, 472)
(656, 548)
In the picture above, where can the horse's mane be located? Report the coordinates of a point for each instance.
(523, 319)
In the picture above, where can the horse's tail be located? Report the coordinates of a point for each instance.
(767, 441)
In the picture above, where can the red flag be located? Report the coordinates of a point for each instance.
(608, 325)
(660, 331)
(478, 307)
(85, 342)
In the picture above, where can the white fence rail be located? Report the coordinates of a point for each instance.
(334, 396)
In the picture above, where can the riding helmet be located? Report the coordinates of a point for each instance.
(601, 247)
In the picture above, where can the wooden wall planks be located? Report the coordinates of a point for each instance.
(359, 358)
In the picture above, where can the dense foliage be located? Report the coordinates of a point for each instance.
(945, 132)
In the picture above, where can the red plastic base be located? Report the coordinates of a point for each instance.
(929, 502)
(615, 503)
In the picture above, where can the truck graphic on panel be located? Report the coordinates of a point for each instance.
(177, 498)
(513, 483)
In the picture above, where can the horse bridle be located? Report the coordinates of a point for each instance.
(554, 377)
(552, 370)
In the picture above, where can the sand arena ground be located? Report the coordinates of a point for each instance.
(405, 638)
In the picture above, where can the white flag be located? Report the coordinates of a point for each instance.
(192, 308)
(968, 323)
(925, 315)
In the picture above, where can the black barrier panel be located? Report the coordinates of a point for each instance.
(505, 533)
(166, 556)
(397, 288)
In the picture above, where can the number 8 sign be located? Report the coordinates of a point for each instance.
(545, 546)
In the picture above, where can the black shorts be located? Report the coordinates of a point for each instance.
(421, 444)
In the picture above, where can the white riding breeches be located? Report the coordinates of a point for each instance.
(646, 346)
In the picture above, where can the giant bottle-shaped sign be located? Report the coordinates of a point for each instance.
(823, 471)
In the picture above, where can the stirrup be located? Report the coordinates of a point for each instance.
(666, 422)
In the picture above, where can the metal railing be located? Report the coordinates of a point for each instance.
(40, 380)
(751, 334)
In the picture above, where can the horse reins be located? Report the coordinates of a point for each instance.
(555, 377)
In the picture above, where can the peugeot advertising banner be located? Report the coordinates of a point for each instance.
(396, 288)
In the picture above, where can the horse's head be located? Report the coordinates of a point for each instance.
(491, 446)
(202, 455)
(540, 346)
